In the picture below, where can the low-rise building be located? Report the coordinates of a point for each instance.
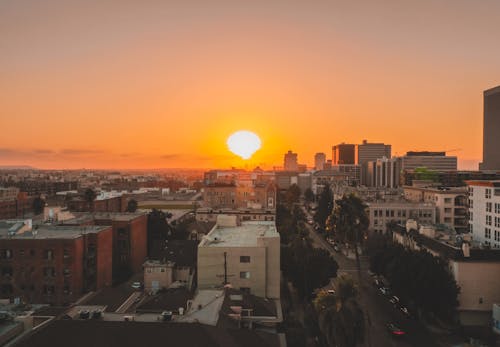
(245, 254)
(53, 264)
(474, 268)
(381, 213)
(451, 203)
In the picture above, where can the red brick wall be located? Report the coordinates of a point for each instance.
(138, 242)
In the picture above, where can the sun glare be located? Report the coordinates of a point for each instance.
(243, 143)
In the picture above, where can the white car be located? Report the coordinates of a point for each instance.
(136, 285)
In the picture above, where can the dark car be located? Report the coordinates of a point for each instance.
(394, 330)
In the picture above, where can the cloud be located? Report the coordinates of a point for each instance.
(171, 156)
(80, 151)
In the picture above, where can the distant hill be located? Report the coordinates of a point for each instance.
(16, 167)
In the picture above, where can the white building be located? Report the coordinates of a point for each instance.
(319, 161)
(244, 254)
(484, 212)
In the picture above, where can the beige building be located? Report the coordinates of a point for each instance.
(451, 203)
(380, 213)
(244, 254)
(240, 194)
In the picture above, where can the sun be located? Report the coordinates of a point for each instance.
(243, 143)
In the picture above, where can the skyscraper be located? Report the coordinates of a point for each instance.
(491, 130)
(319, 161)
(290, 163)
(343, 154)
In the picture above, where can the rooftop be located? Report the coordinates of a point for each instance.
(81, 217)
(244, 235)
(84, 333)
(49, 232)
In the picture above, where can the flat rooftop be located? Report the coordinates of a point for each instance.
(244, 235)
(50, 232)
(81, 217)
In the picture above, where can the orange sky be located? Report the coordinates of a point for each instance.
(148, 84)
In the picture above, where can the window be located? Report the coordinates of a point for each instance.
(487, 233)
(48, 254)
(7, 271)
(66, 272)
(245, 274)
(447, 210)
(497, 235)
(497, 208)
(471, 217)
(49, 272)
(471, 203)
(487, 193)
(5, 254)
(497, 222)
(21, 252)
(447, 200)
(32, 252)
(244, 259)
(66, 253)
(488, 207)
(375, 213)
(471, 191)
(488, 220)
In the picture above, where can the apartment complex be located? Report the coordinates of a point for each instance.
(484, 212)
(451, 204)
(53, 264)
(244, 254)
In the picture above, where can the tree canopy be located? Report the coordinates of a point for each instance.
(325, 205)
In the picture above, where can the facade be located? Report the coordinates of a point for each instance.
(344, 154)
(210, 215)
(240, 194)
(54, 264)
(14, 204)
(246, 254)
(491, 129)
(382, 213)
(129, 239)
(351, 170)
(437, 161)
(484, 212)
(319, 161)
(451, 204)
(290, 162)
(383, 173)
(104, 203)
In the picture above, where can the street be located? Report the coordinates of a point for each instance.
(376, 307)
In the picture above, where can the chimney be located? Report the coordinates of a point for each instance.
(466, 249)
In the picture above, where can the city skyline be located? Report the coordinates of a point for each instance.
(164, 85)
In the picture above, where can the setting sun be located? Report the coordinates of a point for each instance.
(243, 143)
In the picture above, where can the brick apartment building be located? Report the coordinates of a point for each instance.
(14, 204)
(53, 264)
(129, 239)
(107, 204)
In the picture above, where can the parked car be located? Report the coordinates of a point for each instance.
(384, 290)
(394, 300)
(331, 291)
(136, 285)
(394, 330)
(405, 311)
(336, 248)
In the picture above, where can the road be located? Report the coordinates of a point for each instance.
(377, 308)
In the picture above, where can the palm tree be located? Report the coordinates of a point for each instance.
(340, 317)
(349, 222)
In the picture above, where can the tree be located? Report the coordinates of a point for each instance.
(325, 205)
(89, 195)
(340, 317)
(131, 205)
(38, 205)
(309, 195)
(349, 222)
(292, 195)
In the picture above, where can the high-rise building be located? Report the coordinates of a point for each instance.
(383, 172)
(367, 152)
(436, 161)
(290, 163)
(491, 130)
(344, 154)
(319, 161)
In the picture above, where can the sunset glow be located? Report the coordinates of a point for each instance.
(244, 143)
(159, 84)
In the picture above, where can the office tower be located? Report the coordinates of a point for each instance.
(319, 161)
(367, 152)
(436, 161)
(291, 161)
(344, 154)
(491, 130)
